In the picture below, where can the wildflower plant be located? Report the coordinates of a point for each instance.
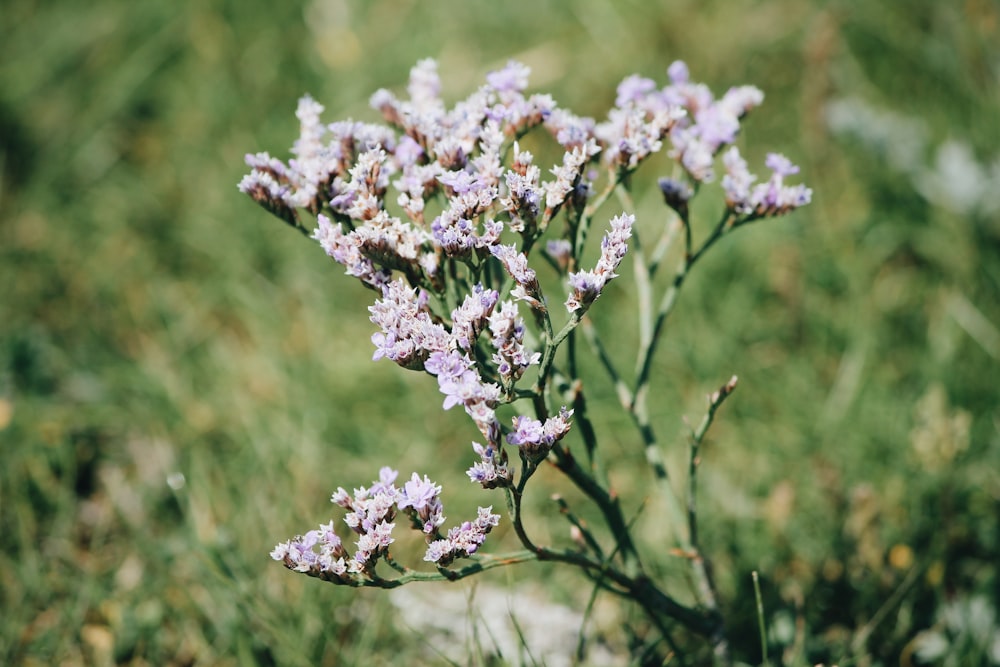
(447, 218)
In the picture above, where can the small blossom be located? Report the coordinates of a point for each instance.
(512, 78)
(515, 263)
(780, 165)
(737, 181)
(422, 496)
(491, 471)
(507, 329)
(766, 199)
(632, 89)
(459, 381)
(425, 84)
(678, 72)
(676, 194)
(536, 438)
(631, 134)
(464, 540)
(587, 285)
(568, 174)
(460, 181)
(694, 154)
(570, 131)
(408, 333)
(266, 190)
(346, 250)
(469, 319)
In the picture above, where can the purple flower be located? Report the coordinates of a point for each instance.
(560, 250)
(527, 431)
(765, 199)
(570, 131)
(423, 497)
(694, 154)
(516, 265)
(318, 553)
(536, 438)
(418, 493)
(464, 540)
(460, 181)
(408, 333)
(425, 84)
(408, 151)
(264, 188)
(678, 72)
(587, 285)
(780, 165)
(512, 78)
(386, 479)
(737, 181)
(371, 545)
(676, 194)
(459, 381)
(469, 319)
(511, 358)
(568, 174)
(491, 470)
(632, 89)
(741, 99)
(716, 125)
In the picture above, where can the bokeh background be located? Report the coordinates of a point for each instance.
(184, 380)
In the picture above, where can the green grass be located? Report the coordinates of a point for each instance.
(157, 326)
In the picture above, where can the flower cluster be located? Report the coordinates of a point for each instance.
(462, 540)
(535, 438)
(587, 285)
(764, 199)
(370, 514)
(438, 212)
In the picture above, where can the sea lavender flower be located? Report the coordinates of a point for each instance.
(425, 84)
(267, 190)
(389, 242)
(678, 72)
(737, 182)
(318, 553)
(346, 250)
(568, 174)
(515, 263)
(710, 124)
(459, 380)
(464, 540)
(513, 78)
(676, 194)
(631, 134)
(491, 471)
(465, 165)
(525, 198)
(570, 130)
(768, 199)
(370, 514)
(511, 358)
(587, 285)
(632, 89)
(422, 497)
(536, 438)
(469, 319)
(408, 333)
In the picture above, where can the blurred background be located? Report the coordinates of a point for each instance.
(184, 380)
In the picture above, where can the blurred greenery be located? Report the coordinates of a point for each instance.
(183, 381)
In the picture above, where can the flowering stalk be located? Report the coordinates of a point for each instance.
(454, 288)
